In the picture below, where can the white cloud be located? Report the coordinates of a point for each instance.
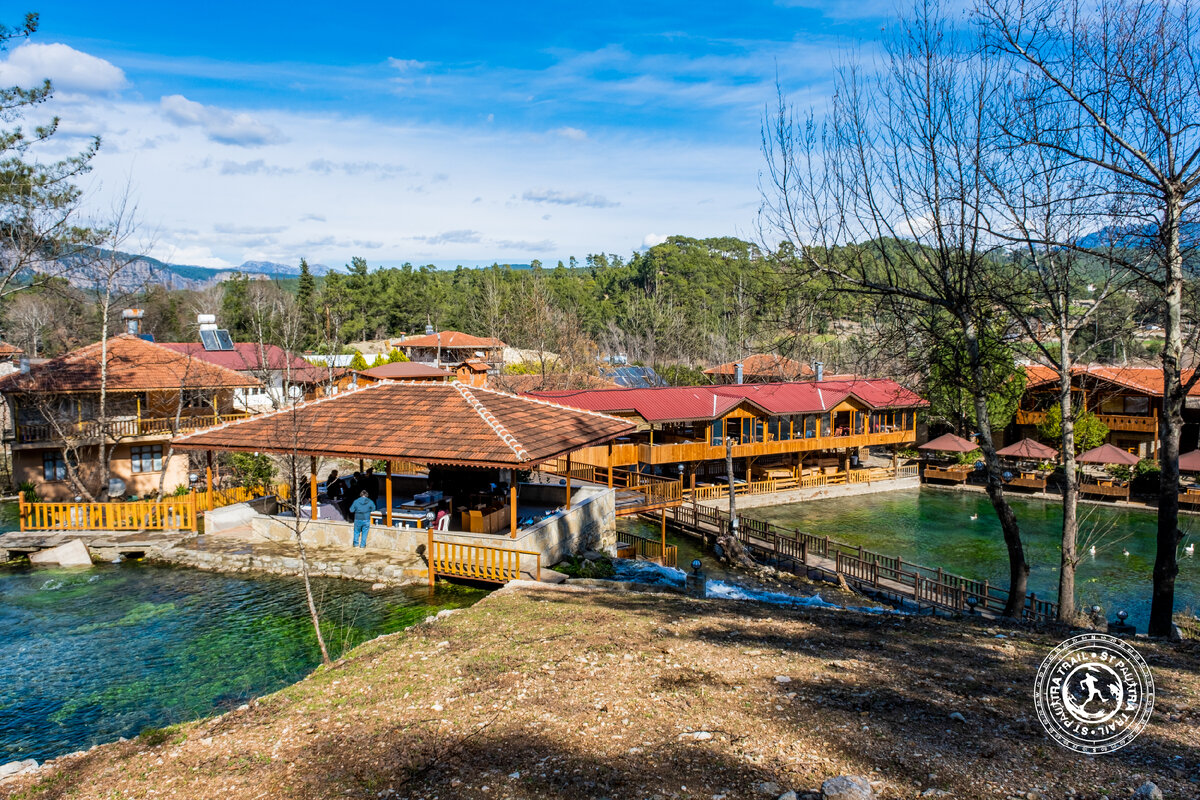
(451, 237)
(651, 239)
(568, 132)
(219, 124)
(555, 197)
(406, 64)
(67, 68)
(194, 256)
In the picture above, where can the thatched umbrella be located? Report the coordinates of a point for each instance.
(1028, 449)
(1108, 454)
(948, 443)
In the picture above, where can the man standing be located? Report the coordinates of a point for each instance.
(362, 509)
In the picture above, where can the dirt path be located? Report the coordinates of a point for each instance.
(552, 692)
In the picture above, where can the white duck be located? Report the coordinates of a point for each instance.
(1092, 549)
(974, 517)
(1125, 553)
(1190, 549)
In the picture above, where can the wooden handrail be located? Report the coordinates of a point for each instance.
(173, 513)
(652, 549)
(476, 562)
(120, 428)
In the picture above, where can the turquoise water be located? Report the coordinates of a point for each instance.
(935, 528)
(92, 655)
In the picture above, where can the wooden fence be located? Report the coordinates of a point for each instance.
(797, 551)
(173, 513)
(478, 562)
(652, 549)
(240, 494)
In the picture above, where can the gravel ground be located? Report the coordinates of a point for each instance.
(540, 692)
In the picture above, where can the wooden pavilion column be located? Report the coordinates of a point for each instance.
(610, 464)
(567, 504)
(208, 480)
(387, 495)
(312, 486)
(512, 505)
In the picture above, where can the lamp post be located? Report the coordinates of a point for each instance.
(694, 583)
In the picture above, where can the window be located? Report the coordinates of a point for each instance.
(718, 432)
(1139, 406)
(146, 458)
(54, 466)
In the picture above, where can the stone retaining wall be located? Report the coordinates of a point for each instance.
(814, 493)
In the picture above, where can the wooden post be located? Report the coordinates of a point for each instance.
(567, 504)
(662, 555)
(21, 501)
(192, 500)
(610, 464)
(362, 465)
(208, 480)
(693, 488)
(312, 486)
(387, 496)
(512, 506)
(429, 557)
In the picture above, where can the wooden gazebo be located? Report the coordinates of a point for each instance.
(1028, 450)
(443, 425)
(948, 443)
(1107, 454)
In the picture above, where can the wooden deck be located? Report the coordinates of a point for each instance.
(1024, 482)
(1099, 490)
(815, 556)
(951, 475)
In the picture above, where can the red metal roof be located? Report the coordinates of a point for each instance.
(682, 403)
(425, 422)
(134, 364)
(249, 357)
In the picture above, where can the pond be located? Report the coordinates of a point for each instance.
(96, 654)
(959, 532)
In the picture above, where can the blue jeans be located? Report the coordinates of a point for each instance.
(360, 533)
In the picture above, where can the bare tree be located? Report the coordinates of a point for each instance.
(1130, 71)
(888, 199)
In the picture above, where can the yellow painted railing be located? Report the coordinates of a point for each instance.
(478, 562)
(241, 494)
(175, 513)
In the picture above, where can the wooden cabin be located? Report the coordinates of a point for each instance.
(799, 428)
(151, 393)
(1128, 400)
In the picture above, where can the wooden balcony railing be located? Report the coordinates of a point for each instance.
(704, 451)
(120, 428)
(1114, 422)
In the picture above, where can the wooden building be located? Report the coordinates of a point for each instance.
(151, 393)
(442, 348)
(794, 427)
(761, 368)
(401, 371)
(1128, 400)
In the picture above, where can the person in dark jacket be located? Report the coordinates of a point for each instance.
(371, 484)
(362, 508)
(334, 488)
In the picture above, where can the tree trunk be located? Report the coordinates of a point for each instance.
(1166, 567)
(298, 531)
(1018, 570)
(729, 477)
(1070, 502)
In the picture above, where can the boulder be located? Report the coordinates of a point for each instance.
(847, 787)
(72, 554)
(17, 767)
(1148, 791)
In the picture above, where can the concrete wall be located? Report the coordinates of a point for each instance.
(814, 493)
(590, 524)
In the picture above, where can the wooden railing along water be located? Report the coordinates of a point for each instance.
(172, 513)
(803, 553)
(479, 562)
(651, 549)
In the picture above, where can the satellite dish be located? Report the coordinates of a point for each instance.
(116, 487)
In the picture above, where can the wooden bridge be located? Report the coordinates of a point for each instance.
(819, 556)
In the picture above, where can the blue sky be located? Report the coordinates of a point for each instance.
(453, 132)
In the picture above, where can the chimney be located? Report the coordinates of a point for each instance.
(820, 367)
(737, 373)
(133, 320)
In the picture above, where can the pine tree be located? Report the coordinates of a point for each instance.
(306, 290)
(358, 362)
(396, 356)
(379, 361)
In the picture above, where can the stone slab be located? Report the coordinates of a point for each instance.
(72, 554)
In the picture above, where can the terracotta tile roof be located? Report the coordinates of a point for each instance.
(449, 339)
(550, 382)
(8, 350)
(684, 403)
(475, 365)
(1147, 380)
(249, 357)
(425, 422)
(134, 364)
(404, 370)
(766, 365)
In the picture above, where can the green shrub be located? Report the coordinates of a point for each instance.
(1146, 476)
(250, 470)
(577, 567)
